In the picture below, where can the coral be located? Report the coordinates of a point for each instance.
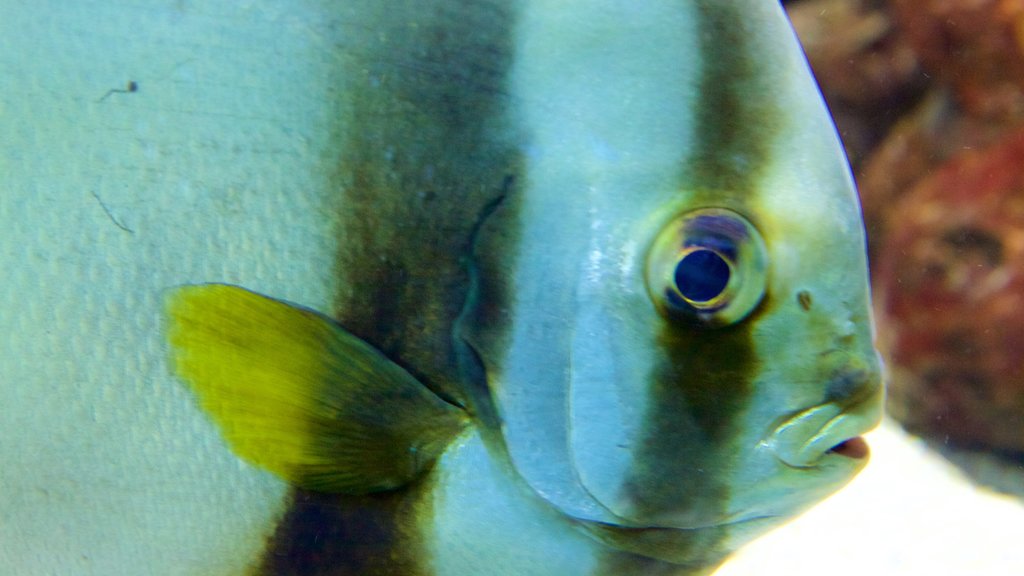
(950, 297)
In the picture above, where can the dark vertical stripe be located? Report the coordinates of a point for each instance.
(334, 535)
(423, 149)
(428, 149)
(737, 115)
(704, 379)
(703, 382)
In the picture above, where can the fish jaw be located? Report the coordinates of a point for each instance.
(808, 456)
(827, 430)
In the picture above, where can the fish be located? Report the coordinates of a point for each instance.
(601, 306)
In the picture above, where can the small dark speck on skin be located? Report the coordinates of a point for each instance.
(130, 88)
(804, 298)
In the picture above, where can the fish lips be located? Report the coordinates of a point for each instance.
(830, 430)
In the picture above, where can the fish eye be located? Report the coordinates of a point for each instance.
(707, 267)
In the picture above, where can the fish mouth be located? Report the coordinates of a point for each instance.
(856, 448)
(821, 434)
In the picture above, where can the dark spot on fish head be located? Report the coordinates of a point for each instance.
(803, 298)
(852, 379)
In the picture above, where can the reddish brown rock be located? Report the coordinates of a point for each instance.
(916, 146)
(930, 94)
(967, 58)
(867, 71)
(950, 299)
(975, 47)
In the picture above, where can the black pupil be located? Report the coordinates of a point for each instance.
(701, 275)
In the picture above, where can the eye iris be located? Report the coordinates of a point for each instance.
(702, 275)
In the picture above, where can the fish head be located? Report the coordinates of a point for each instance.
(671, 307)
(718, 370)
(764, 365)
(751, 371)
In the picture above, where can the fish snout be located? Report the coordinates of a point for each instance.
(853, 406)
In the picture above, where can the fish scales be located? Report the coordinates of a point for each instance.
(602, 303)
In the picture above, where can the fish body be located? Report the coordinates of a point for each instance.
(602, 305)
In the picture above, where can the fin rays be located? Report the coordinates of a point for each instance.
(294, 393)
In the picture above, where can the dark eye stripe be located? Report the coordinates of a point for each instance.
(704, 380)
(734, 112)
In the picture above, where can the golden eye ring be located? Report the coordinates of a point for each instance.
(707, 267)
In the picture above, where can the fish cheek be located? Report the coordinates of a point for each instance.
(698, 389)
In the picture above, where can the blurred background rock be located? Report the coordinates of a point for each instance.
(928, 96)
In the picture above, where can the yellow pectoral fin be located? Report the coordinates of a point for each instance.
(296, 394)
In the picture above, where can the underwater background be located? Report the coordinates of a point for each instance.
(146, 145)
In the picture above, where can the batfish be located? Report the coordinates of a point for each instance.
(602, 305)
